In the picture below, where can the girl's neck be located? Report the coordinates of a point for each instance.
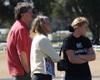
(76, 34)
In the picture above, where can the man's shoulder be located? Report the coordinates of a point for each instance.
(17, 26)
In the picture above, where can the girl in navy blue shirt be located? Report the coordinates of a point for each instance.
(79, 51)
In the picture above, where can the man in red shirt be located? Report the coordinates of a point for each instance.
(19, 43)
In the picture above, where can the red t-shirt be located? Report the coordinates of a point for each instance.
(18, 40)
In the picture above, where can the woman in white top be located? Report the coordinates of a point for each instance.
(41, 48)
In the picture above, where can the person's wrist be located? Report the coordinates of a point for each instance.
(28, 75)
(29, 72)
(79, 56)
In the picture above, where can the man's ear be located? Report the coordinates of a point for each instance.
(22, 15)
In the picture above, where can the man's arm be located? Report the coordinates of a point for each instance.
(24, 61)
(21, 45)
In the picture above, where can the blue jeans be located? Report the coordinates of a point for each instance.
(40, 76)
(78, 78)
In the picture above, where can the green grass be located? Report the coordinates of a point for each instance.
(55, 43)
(97, 50)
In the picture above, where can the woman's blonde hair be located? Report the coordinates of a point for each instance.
(79, 21)
(37, 26)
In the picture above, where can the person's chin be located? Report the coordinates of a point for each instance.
(30, 20)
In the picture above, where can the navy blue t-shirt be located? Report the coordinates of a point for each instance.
(80, 46)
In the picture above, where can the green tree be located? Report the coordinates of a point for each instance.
(7, 8)
(74, 8)
(59, 16)
(7, 11)
(44, 6)
(89, 9)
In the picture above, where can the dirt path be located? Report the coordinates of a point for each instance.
(3, 66)
(94, 65)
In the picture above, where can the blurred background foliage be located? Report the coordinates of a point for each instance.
(61, 13)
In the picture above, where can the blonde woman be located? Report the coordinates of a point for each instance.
(78, 51)
(41, 47)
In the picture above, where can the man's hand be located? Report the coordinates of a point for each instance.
(28, 76)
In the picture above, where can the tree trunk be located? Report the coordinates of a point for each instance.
(96, 34)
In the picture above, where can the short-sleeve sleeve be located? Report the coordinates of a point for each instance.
(88, 42)
(21, 43)
(67, 44)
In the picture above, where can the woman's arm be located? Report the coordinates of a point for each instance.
(47, 48)
(90, 56)
(75, 59)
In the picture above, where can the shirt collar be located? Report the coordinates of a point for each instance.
(24, 24)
